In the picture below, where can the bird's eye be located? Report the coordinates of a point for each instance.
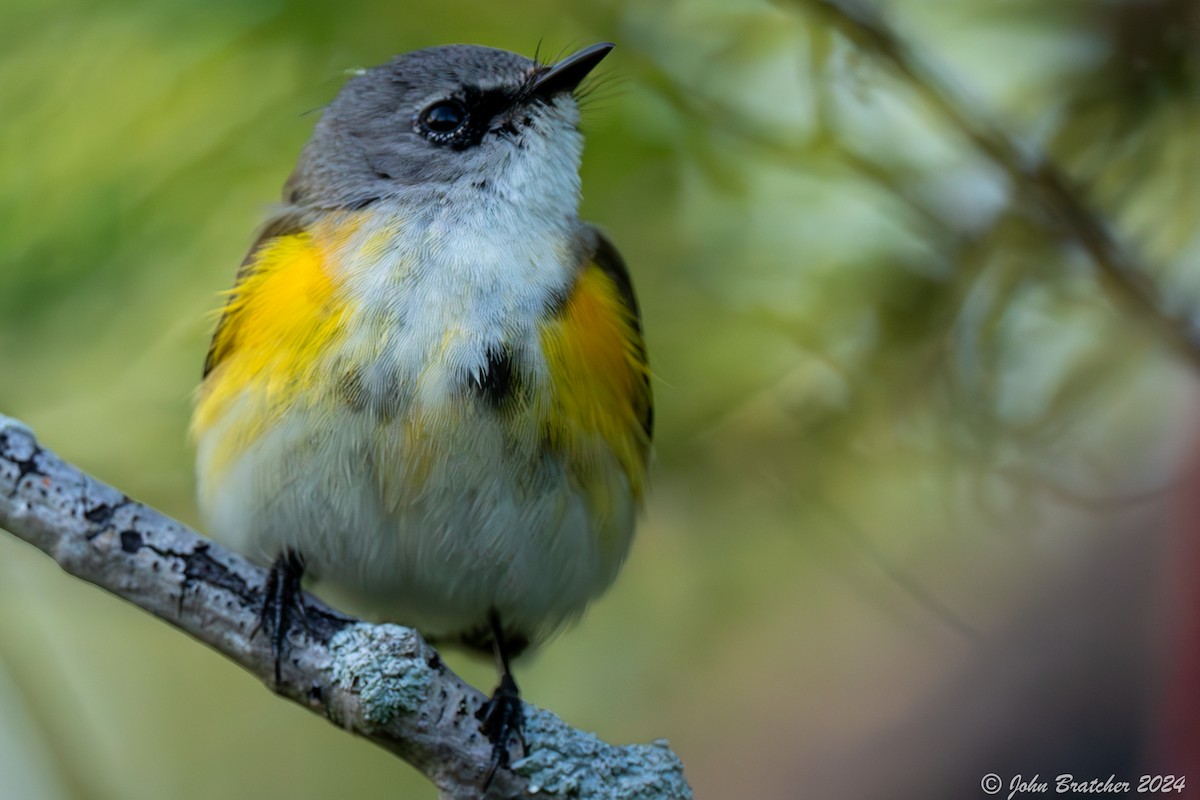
(443, 117)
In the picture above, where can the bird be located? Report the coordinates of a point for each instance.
(428, 388)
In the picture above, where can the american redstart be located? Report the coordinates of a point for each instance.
(429, 387)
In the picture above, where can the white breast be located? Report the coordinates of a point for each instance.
(456, 279)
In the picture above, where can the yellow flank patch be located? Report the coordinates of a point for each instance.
(280, 319)
(598, 373)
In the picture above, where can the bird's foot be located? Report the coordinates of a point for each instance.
(283, 603)
(501, 719)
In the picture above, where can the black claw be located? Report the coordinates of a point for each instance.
(502, 717)
(283, 603)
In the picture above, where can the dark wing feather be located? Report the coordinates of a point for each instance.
(610, 262)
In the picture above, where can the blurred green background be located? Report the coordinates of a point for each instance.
(915, 462)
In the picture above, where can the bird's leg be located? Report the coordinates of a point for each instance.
(502, 716)
(283, 602)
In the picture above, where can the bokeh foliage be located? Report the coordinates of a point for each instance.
(888, 377)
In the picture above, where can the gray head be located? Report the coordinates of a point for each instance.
(449, 119)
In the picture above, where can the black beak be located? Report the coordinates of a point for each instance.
(567, 74)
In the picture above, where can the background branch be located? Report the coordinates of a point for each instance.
(382, 682)
(1031, 171)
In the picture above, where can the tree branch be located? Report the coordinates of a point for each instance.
(1127, 282)
(382, 682)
